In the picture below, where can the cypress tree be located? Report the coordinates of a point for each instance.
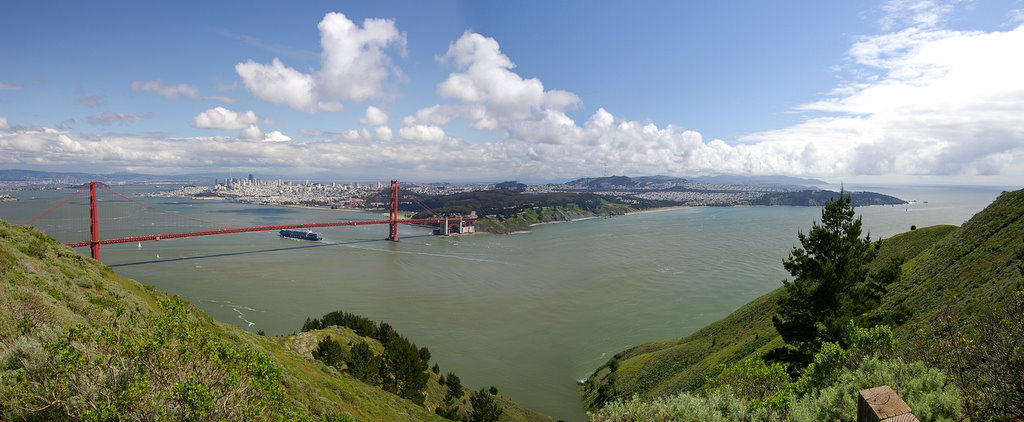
(329, 352)
(829, 270)
(484, 407)
(363, 365)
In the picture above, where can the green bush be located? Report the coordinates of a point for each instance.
(719, 406)
(756, 382)
(924, 389)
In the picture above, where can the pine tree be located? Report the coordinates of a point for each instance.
(830, 282)
(363, 365)
(484, 407)
(329, 352)
(402, 370)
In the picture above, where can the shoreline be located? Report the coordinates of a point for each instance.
(660, 209)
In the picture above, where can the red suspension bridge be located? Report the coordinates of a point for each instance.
(449, 224)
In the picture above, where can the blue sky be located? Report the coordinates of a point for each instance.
(887, 91)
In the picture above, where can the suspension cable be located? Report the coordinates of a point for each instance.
(170, 213)
(361, 202)
(414, 198)
(55, 205)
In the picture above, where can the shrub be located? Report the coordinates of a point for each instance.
(924, 389)
(719, 406)
(757, 382)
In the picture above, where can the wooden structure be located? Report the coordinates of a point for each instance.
(881, 404)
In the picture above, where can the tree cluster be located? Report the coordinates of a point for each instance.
(401, 369)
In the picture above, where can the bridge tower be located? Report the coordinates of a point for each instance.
(393, 215)
(94, 225)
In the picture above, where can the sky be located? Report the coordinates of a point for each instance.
(900, 91)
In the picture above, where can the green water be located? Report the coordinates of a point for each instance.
(528, 313)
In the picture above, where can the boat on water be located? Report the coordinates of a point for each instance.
(301, 234)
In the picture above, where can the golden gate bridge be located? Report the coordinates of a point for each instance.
(450, 225)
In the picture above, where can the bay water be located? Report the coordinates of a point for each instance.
(528, 313)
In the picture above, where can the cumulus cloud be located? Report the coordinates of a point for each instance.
(484, 77)
(108, 118)
(222, 118)
(354, 66)
(422, 133)
(251, 132)
(278, 84)
(3, 123)
(4, 85)
(374, 117)
(383, 133)
(276, 136)
(170, 92)
(354, 63)
(438, 114)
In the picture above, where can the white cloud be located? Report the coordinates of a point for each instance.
(354, 66)
(3, 123)
(354, 63)
(222, 118)
(383, 133)
(934, 103)
(374, 117)
(170, 92)
(422, 133)
(485, 78)
(251, 132)
(438, 114)
(276, 136)
(278, 84)
(10, 86)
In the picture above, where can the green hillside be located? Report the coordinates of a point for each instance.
(77, 341)
(965, 269)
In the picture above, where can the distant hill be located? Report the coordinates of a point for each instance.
(758, 180)
(623, 182)
(818, 198)
(969, 268)
(16, 175)
(77, 341)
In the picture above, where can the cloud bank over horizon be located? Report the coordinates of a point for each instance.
(918, 100)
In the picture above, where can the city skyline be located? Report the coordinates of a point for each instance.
(899, 91)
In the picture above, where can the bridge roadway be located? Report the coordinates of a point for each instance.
(153, 237)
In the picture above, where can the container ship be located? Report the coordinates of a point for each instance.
(301, 234)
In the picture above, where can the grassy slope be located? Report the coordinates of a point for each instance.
(45, 284)
(666, 367)
(971, 269)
